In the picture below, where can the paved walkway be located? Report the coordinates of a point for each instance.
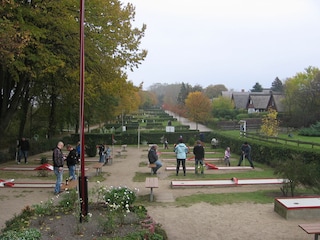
(193, 125)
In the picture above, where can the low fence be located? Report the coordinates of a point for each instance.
(281, 140)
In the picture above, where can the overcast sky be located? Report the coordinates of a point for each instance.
(232, 42)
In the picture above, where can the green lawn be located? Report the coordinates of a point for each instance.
(295, 140)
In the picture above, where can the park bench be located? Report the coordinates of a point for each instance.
(124, 148)
(151, 166)
(98, 167)
(152, 183)
(311, 228)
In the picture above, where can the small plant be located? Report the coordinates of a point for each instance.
(27, 234)
(140, 210)
(44, 208)
(109, 225)
(69, 200)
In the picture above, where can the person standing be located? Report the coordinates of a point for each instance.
(101, 153)
(166, 143)
(107, 155)
(78, 149)
(58, 160)
(24, 148)
(214, 143)
(72, 161)
(181, 151)
(227, 155)
(245, 153)
(198, 151)
(154, 159)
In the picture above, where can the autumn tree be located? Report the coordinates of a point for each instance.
(40, 62)
(302, 97)
(198, 107)
(270, 123)
(148, 99)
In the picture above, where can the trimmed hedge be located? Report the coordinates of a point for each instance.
(267, 152)
(149, 137)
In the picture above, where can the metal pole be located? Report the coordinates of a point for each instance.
(82, 178)
(138, 136)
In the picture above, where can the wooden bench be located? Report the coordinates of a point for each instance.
(311, 228)
(152, 183)
(124, 148)
(151, 166)
(98, 167)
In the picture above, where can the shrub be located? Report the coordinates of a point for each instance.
(313, 130)
(91, 149)
(19, 221)
(120, 198)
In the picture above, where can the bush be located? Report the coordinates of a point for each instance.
(120, 198)
(91, 149)
(313, 130)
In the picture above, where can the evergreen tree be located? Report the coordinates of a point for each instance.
(257, 88)
(277, 85)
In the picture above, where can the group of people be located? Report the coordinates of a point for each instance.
(181, 150)
(72, 159)
(104, 153)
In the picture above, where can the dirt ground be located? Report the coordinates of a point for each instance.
(199, 221)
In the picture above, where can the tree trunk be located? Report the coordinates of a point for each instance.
(24, 114)
(10, 98)
(52, 116)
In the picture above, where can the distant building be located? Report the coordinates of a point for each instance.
(256, 101)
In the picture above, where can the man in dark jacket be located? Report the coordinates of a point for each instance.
(245, 153)
(198, 151)
(153, 158)
(72, 160)
(24, 148)
(58, 159)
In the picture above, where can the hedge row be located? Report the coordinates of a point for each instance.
(268, 152)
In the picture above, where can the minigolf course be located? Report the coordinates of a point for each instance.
(298, 208)
(10, 183)
(173, 168)
(227, 182)
(45, 166)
